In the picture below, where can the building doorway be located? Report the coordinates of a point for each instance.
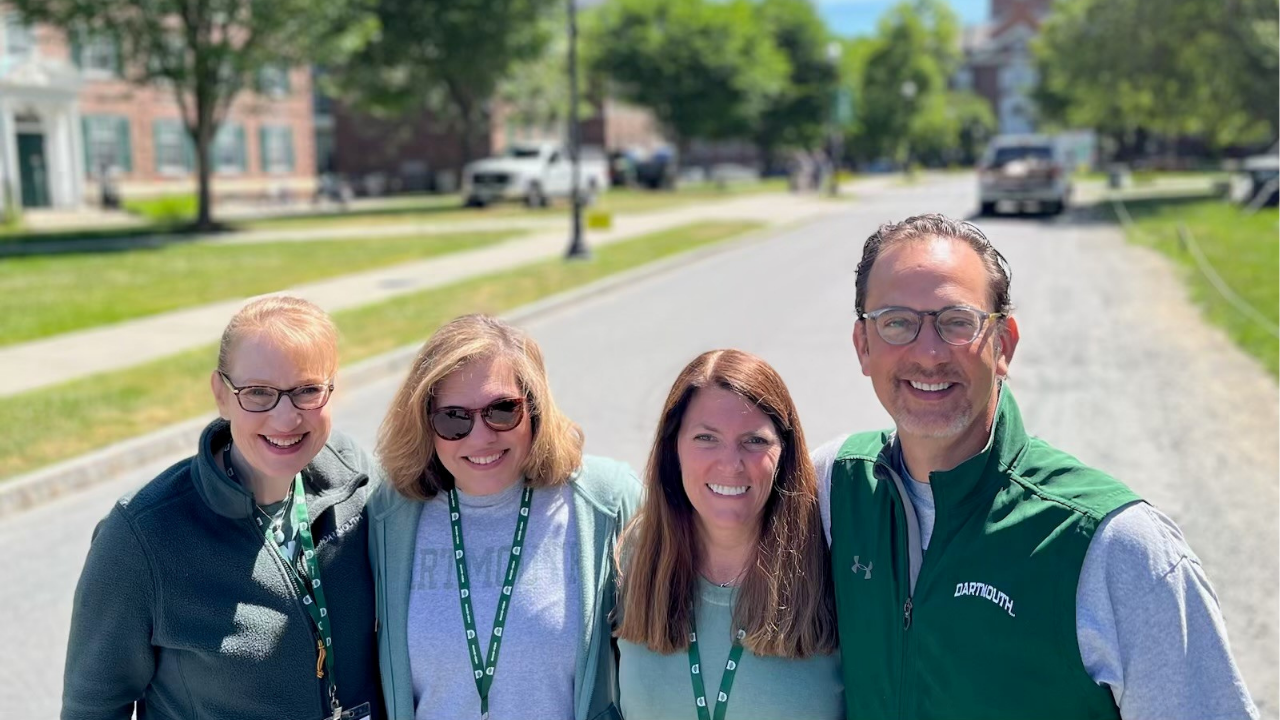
(33, 169)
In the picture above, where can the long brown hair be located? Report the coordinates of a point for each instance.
(785, 601)
(406, 445)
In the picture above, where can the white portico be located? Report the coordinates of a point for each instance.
(41, 151)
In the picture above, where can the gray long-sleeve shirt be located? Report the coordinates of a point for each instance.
(1147, 620)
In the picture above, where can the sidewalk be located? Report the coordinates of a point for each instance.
(51, 361)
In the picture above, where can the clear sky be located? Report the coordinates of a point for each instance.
(859, 17)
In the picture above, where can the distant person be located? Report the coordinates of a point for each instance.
(979, 571)
(237, 583)
(725, 600)
(492, 538)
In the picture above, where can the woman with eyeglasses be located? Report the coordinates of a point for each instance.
(237, 583)
(492, 538)
(725, 597)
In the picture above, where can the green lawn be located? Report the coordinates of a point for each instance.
(41, 296)
(51, 424)
(1242, 248)
(166, 209)
(448, 208)
(1149, 177)
(171, 215)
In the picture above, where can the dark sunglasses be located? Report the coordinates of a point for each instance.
(455, 423)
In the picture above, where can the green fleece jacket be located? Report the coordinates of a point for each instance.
(605, 495)
(184, 610)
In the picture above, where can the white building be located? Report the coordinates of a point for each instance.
(41, 155)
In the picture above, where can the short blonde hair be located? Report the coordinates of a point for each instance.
(406, 444)
(298, 326)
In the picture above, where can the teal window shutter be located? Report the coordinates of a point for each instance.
(241, 154)
(188, 149)
(157, 141)
(287, 136)
(86, 140)
(125, 147)
(263, 162)
(77, 48)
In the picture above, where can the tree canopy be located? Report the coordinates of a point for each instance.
(708, 70)
(1202, 68)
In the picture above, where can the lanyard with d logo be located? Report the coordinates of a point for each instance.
(726, 681)
(483, 670)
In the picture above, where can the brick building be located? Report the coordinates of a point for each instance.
(66, 118)
(998, 64)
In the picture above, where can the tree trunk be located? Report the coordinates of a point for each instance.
(204, 217)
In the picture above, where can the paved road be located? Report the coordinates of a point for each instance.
(1113, 365)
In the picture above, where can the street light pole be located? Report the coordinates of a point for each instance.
(834, 50)
(577, 247)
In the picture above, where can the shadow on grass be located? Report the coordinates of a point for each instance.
(103, 240)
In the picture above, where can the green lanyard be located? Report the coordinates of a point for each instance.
(483, 671)
(726, 681)
(312, 593)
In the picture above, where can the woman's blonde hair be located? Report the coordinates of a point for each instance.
(406, 444)
(303, 330)
(785, 602)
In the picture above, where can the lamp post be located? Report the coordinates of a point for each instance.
(908, 91)
(834, 50)
(577, 247)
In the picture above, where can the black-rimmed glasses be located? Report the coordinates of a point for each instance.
(264, 398)
(956, 325)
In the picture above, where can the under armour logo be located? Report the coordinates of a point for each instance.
(864, 569)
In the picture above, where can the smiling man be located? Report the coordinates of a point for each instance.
(980, 572)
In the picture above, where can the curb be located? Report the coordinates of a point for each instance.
(69, 476)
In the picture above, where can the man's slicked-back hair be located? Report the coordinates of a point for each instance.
(921, 227)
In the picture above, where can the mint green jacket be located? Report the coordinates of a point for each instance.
(605, 495)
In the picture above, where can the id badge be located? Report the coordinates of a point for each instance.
(359, 712)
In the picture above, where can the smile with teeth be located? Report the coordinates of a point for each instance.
(728, 490)
(485, 459)
(284, 442)
(930, 387)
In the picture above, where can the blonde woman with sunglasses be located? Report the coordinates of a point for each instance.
(237, 583)
(492, 540)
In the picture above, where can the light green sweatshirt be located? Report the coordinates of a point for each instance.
(659, 687)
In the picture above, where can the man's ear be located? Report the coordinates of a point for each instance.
(861, 344)
(1006, 343)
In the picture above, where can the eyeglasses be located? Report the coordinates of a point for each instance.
(956, 325)
(264, 398)
(455, 423)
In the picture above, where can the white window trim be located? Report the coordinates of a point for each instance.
(236, 169)
(93, 72)
(277, 133)
(179, 170)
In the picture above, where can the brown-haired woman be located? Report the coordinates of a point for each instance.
(725, 594)
(493, 532)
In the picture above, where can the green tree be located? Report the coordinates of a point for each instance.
(448, 57)
(536, 92)
(800, 114)
(207, 51)
(706, 69)
(1190, 68)
(904, 98)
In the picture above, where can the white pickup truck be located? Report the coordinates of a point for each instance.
(534, 174)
